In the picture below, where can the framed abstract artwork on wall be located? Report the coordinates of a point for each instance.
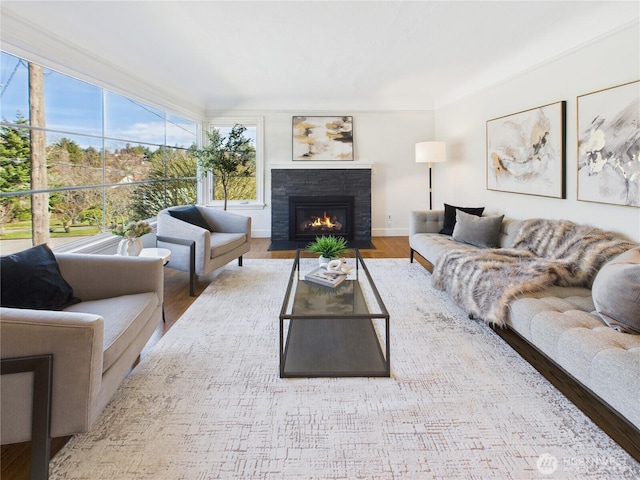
(609, 145)
(323, 138)
(526, 152)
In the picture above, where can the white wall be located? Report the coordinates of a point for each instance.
(609, 61)
(384, 139)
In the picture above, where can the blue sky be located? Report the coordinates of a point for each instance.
(75, 106)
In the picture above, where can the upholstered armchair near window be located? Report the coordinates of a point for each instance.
(202, 239)
(94, 314)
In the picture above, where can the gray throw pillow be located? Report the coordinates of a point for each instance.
(450, 216)
(478, 231)
(616, 292)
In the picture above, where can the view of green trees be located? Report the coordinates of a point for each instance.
(15, 174)
(75, 157)
(75, 177)
(74, 174)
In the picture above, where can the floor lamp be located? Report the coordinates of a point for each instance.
(431, 152)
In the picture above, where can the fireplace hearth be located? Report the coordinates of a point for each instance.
(311, 216)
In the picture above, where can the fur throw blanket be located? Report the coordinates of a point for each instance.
(545, 252)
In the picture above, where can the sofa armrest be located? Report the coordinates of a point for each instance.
(76, 342)
(426, 221)
(183, 257)
(173, 228)
(94, 277)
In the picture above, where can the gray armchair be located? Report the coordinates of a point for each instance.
(93, 345)
(202, 239)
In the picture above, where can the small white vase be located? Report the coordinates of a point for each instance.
(323, 261)
(130, 247)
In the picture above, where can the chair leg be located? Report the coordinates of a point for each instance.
(411, 256)
(240, 261)
(42, 368)
(192, 269)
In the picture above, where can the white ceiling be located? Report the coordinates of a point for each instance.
(305, 55)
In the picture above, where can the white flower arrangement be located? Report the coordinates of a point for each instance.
(131, 229)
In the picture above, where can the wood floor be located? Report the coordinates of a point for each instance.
(15, 458)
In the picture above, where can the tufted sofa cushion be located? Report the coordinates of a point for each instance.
(432, 245)
(562, 323)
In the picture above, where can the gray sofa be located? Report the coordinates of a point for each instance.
(94, 343)
(558, 326)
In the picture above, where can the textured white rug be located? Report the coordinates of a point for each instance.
(207, 401)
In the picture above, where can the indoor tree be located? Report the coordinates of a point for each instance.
(226, 157)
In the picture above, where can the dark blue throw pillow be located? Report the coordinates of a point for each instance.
(32, 279)
(191, 215)
(450, 216)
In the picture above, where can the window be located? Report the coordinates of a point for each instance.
(95, 157)
(246, 189)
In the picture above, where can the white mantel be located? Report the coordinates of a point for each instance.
(321, 165)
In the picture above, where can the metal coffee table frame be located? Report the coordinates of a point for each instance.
(323, 341)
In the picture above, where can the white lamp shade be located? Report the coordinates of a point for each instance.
(431, 152)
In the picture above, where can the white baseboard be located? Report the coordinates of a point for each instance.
(389, 232)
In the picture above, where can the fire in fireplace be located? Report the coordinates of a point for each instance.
(320, 215)
(322, 224)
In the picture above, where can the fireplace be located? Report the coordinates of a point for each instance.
(327, 184)
(311, 216)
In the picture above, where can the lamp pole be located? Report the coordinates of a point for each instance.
(430, 190)
(429, 152)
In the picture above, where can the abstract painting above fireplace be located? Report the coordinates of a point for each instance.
(323, 138)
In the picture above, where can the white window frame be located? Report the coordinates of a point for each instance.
(207, 182)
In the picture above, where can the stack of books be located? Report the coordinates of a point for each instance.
(323, 277)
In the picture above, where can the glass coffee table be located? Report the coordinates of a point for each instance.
(333, 332)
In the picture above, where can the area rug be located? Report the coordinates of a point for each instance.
(207, 401)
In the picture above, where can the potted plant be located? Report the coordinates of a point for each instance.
(329, 247)
(226, 157)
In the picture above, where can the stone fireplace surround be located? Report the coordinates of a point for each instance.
(286, 182)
